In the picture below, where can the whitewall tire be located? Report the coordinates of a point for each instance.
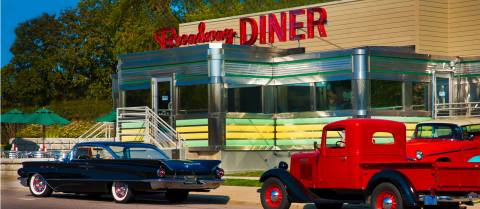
(121, 192)
(38, 186)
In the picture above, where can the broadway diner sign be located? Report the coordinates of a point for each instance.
(316, 18)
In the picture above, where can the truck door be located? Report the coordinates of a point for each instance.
(333, 162)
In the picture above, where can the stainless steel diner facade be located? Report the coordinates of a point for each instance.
(403, 60)
(241, 97)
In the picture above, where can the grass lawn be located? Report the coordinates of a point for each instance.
(248, 174)
(242, 182)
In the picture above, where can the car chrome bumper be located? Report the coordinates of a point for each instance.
(468, 199)
(23, 181)
(173, 183)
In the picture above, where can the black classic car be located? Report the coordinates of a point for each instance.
(122, 169)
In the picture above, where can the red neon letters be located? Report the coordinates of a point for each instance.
(168, 38)
(316, 18)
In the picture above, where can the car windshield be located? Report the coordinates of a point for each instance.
(438, 131)
(138, 152)
(471, 131)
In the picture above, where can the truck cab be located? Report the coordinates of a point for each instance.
(445, 140)
(345, 144)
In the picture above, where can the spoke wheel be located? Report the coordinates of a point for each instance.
(274, 194)
(121, 192)
(38, 186)
(386, 196)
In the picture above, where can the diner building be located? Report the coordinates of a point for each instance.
(271, 80)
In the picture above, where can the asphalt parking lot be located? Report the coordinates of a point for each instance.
(14, 196)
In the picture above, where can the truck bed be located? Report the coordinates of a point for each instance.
(437, 177)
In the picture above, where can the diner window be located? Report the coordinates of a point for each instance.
(247, 99)
(294, 98)
(193, 99)
(135, 98)
(475, 92)
(334, 95)
(419, 96)
(386, 95)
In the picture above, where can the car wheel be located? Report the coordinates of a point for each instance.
(121, 192)
(329, 205)
(274, 194)
(38, 186)
(176, 196)
(386, 196)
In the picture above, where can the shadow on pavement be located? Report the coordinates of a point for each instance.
(152, 198)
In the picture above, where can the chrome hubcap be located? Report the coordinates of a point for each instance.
(120, 190)
(387, 203)
(274, 196)
(39, 184)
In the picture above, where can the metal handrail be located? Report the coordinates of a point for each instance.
(155, 126)
(456, 109)
(30, 154)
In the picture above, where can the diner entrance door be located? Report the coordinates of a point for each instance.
(162, 98)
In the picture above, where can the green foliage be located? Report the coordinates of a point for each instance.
(72, 130)
(196, 10)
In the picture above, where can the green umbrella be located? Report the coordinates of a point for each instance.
(46, 117)
(110, 117)
(14, 117)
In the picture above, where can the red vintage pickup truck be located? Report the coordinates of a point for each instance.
(445, 140)
(365, 160)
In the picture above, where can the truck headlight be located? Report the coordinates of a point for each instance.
(419, 154)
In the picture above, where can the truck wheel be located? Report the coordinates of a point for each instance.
(176, 196)
(274, 194)
(38, 186)
(386, 196)
(121, 192)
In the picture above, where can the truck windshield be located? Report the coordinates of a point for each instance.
(138, 152)
(471, 131)
(438, 131)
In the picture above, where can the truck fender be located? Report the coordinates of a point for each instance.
(296, 191)
(399, 180)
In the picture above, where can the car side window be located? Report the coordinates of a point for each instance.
(91, 152)
(335, 138)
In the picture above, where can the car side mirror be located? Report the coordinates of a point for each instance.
(315, 145)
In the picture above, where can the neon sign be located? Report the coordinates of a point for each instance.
(168, 38)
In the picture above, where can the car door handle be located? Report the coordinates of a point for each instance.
(85, 166)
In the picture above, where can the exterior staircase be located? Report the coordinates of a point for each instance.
(100, 130)
(142, 124)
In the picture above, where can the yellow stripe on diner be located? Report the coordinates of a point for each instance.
(264, 129)
(195, 136)
(236, 135)
(410, 133)
(133, 131)
(189, 129)
(300, 135)
(131, 138)
(315, 127)
(410, 126)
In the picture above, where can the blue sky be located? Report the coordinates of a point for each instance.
(14, 12)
